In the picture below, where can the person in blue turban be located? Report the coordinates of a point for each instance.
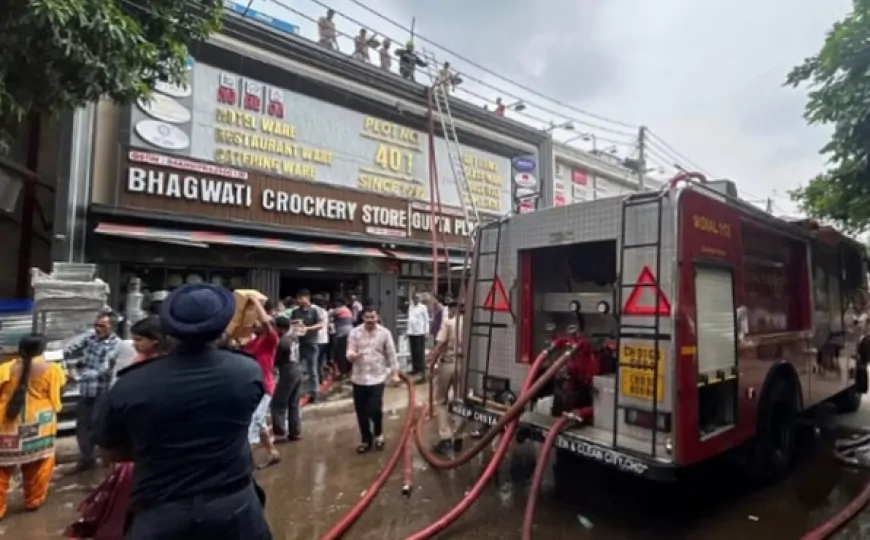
(182, 419)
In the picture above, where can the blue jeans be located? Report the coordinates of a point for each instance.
(308, 353)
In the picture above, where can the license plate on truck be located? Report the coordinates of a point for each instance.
(637, 363)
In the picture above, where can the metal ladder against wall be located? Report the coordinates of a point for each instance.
(635, 331)
(441, 103)
(483, 329)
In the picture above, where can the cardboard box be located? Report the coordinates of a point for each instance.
(242, 324)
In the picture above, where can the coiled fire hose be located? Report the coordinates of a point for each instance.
(509, 421)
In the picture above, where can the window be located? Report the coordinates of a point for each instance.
(714, 298)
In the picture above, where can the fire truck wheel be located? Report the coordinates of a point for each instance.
(774, 445)
(848, 401)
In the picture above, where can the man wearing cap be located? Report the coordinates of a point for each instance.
(446, 355)
(183, 420)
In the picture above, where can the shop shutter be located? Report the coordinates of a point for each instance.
(265, 280)
(714, 300)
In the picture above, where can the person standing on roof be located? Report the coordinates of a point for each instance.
(361, 45)
(409, 61)
(448, 79)
(386, 55)
(326, 31)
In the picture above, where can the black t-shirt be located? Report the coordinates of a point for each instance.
(185, 419)
(284, 353)
(309, 317)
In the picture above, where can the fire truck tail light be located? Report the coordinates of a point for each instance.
(645, 419)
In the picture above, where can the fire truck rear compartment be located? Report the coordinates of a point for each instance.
(574, 292)
(561, 269)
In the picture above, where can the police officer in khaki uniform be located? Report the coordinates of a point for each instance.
(446, 355)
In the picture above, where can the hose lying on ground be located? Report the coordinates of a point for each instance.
(331, 377)
(511, 419)
(838, 520)
(541, 467)
(345, 523)
(531, 386)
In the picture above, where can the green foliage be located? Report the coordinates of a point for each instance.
(56, 55)
(839, 81)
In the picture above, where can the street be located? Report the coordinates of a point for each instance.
(321, 477)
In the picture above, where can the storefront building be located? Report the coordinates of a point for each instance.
(282, 166)
(582, 176)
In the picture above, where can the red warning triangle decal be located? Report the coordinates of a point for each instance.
(496, 299)
(646, 282)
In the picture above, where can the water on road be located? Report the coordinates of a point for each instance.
(321, 477)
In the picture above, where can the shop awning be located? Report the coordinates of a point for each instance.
(419, 257)
(207, 238)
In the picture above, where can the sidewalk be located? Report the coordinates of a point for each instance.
(395, 399)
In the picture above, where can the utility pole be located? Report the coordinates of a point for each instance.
(769, 205)
(641, 150)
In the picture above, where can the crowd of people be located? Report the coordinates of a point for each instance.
(181, 422)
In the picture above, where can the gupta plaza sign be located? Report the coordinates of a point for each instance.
(176, 185)
(241, 123)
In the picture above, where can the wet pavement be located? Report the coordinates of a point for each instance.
(312, 488)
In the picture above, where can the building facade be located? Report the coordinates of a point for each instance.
(582, 176)
(281, 166)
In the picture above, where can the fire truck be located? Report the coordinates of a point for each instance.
(711, 325)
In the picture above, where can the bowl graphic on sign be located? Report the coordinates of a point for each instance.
(525, 180)
(162, 135)
(164, 108)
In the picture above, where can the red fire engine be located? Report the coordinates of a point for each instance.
(695, 325)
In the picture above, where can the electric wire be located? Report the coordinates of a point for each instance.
(471, 77)
(485, 69)
(652, 140)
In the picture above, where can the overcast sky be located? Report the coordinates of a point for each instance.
(705, 77)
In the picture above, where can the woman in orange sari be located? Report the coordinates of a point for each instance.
(104, 512)
(30, 391)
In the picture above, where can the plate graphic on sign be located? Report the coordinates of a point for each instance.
(164, 108)
(174, 90)
(525, 180)
(525, 192)
(162, 135)
(524, 165)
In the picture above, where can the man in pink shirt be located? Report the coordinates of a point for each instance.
(262, 347)
(372, 352)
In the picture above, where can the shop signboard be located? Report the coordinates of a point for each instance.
(178, 185)
(242, 123)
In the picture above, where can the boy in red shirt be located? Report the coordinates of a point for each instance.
(262, 347)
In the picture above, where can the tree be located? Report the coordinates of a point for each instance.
(56, 55)
(838, 77)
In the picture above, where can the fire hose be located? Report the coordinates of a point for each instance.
(331, 377)
(508, 422)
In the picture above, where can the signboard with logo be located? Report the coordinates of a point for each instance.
(245, 124)
(172, 184)
(526, 184)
